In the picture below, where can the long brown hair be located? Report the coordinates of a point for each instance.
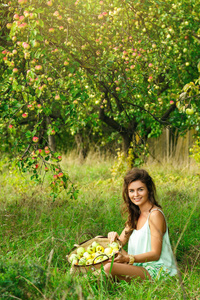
(132, 209)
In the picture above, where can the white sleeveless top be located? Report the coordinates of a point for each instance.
(140, 242)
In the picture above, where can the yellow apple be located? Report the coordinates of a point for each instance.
(115, 250)
(100, 249)
(94, 255)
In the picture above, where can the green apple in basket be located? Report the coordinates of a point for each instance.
(108, 251)
(91, 249)
(73, 257)
(96, 254)
(115, 250)
(82, 261)
(93, 255)
(95, 244)
(114, 245)
(80, 251)
(89, 262)
(100, 259)
(86, 255)
(74, 261)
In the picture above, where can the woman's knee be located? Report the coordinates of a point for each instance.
(107, 267)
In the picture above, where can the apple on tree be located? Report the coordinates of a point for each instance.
(189, 111)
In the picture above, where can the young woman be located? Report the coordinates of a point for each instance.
(149, 250)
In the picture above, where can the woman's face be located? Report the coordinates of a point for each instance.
(138, 193)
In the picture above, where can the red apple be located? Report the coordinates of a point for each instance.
(21, 18)
(35, 139)
(38, 67)
(16, 17)
(9, 25)
(57, 97)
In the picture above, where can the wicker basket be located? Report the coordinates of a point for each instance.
(103, 241)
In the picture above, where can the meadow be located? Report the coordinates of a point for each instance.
(37, 233)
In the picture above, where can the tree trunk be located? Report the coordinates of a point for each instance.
(82, 146)
(127, 139)
(51, 138)
(52, 142)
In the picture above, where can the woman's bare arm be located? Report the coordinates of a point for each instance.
(123, 236)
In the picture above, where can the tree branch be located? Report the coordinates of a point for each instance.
(110, 121)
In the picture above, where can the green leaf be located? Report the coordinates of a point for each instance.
(198, 66)
(28, 134)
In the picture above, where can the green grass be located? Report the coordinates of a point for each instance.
(36, 233)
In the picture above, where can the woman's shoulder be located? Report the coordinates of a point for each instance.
(156, 212)
(156, 209)
(156, 216)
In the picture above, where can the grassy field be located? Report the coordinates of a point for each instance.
(37, 233)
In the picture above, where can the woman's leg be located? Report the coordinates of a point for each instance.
(126, 272)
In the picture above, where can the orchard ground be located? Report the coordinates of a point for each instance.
(36, 233)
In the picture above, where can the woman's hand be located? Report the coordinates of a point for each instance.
(123, 238)
(112, 236)
(121, 258)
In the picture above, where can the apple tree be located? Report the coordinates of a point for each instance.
(135, 57)
(33, 95)
(119, 62)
